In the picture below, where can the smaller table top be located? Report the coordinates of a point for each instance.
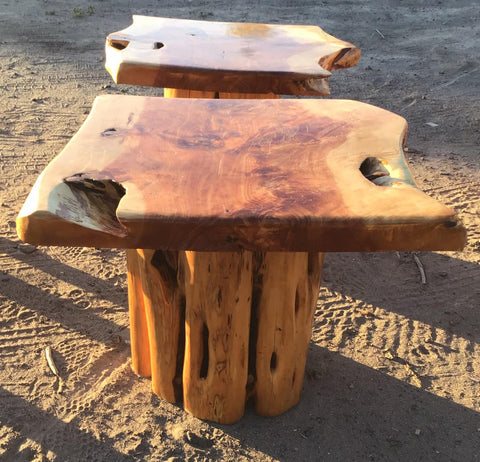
(226, 57)
(198, 174)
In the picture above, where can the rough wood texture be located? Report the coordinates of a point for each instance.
(286, 286)
(164, 305)
(190, 323)
(139, 337)
(226, 57)
(218, 290)
(225, 175)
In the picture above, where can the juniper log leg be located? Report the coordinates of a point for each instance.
(218, 290)
(180, 93)
(138, 321)
(286, 286)
(164, 304)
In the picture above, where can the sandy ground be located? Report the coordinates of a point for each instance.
(393, 371)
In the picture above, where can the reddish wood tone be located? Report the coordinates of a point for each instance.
(226, 175)
(139, 338)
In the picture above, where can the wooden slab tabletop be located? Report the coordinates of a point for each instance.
(229, 57)
(201, 174)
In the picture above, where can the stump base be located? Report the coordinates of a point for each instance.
(216, 328)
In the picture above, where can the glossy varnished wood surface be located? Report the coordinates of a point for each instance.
(221, 175)
(226, 57)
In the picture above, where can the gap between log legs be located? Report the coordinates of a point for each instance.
(138, 323)
(287, 284)
(218, 289)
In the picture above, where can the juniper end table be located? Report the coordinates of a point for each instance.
(225, 58)
(227, 207)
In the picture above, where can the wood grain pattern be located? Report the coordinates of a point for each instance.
(226, 57)
(226, 175)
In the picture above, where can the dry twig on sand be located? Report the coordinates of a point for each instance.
(50, 362)
(53, 368)
(421, 269)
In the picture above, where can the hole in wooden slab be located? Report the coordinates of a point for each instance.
(118, 44)
(158, 45)
(205, 358)
(273, 362)
(339, 57)
(450, 224)
(377, 171)
(108, 132)
(97, 201)
(373, 169)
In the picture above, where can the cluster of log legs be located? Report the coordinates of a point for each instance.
(218, 328)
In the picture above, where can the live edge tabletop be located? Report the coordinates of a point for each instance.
(226, 57)
(226, 175)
